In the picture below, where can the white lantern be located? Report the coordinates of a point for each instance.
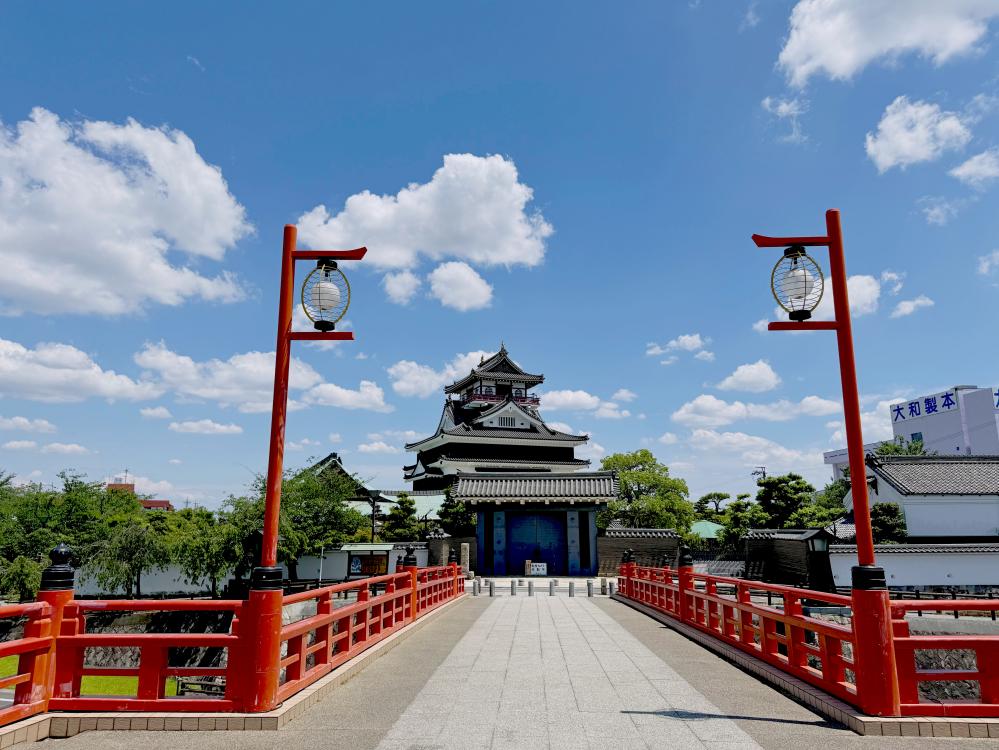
(797, 283)
(325, 295)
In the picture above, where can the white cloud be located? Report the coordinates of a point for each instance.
(705, 356)
(755, 378)
(570, 400)
(563, 427)
(864, 292)
(368, 396)
(245, 381)
(688, 342)
(175, 461)
(23, 424)
(610, 410)
(20, 445)
(939, 211)
(753, 450)
(914, 132)
(623, 394)
(591, 451)
(894, 278)
(760, 326)
(156, 412)
(401, 286)
(668, 361)
(335, 437)
(60, 373)
(841, 37)
(709, 411)
(457, 285)
(378, 446)
(874, 424)
(301, 445)
(988, 263)
(147, 486)
(790, 110)
(979, 170)
(93, 214)
(65, 449)
(668, 438)
(206, 427)
(909, 306)
(413, 379)
(752, 17)
(473, 209)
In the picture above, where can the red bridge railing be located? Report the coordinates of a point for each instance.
(54, 640)
(32, 650)
(821, 651)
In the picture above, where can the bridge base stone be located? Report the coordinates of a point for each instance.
(822, 703)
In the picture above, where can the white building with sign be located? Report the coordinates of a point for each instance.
(960, 421)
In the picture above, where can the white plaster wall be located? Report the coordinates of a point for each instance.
(925, 569)
(171, 581)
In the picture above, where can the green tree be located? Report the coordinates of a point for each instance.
(738, 518)
(901, 447)
(888, 523)
(20, 578)
(207, 547)
(708, 507)
(131, 549)
(823, 507)
(401, 525)
(455, 518)
(781, 497)
(647, 494)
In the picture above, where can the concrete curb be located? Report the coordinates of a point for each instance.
(64, 724)
(821, 702)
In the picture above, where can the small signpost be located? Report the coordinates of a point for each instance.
(535, 568)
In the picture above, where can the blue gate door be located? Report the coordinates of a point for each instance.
(540, 537)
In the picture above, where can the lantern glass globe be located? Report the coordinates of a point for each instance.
(797, 283)
(326, 296)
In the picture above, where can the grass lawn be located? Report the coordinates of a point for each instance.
(96, 685)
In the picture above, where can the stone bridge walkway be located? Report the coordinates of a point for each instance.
(541, 672)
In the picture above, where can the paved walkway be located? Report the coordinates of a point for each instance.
(541, 672)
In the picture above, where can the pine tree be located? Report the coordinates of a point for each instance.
(401, 525)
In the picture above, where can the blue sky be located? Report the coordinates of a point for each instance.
(578, 180)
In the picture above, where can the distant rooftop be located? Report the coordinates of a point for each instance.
(939, 475)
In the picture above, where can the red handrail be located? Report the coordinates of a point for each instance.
(32, 649)
(815, 650)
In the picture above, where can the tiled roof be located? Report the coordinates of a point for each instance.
(531, 461)
(621, 533)
(599, 486)
(499, 367)
(939, 475)
(783, 533)
(965, 549)
(462, 430)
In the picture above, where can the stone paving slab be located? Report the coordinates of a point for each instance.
(555, 672)
(542, 672)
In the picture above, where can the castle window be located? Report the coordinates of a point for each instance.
(507, 422)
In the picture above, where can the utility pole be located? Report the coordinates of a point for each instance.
(760, 471)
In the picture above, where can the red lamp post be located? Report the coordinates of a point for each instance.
(874, 653)
(324, 299)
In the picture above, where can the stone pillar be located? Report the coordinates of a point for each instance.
(572, 540)
(499, 543)
(465, 561)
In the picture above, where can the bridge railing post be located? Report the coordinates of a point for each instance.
(875, 671)
(56, 590)
(685, 579)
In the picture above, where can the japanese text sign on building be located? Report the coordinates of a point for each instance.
(925, 406)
